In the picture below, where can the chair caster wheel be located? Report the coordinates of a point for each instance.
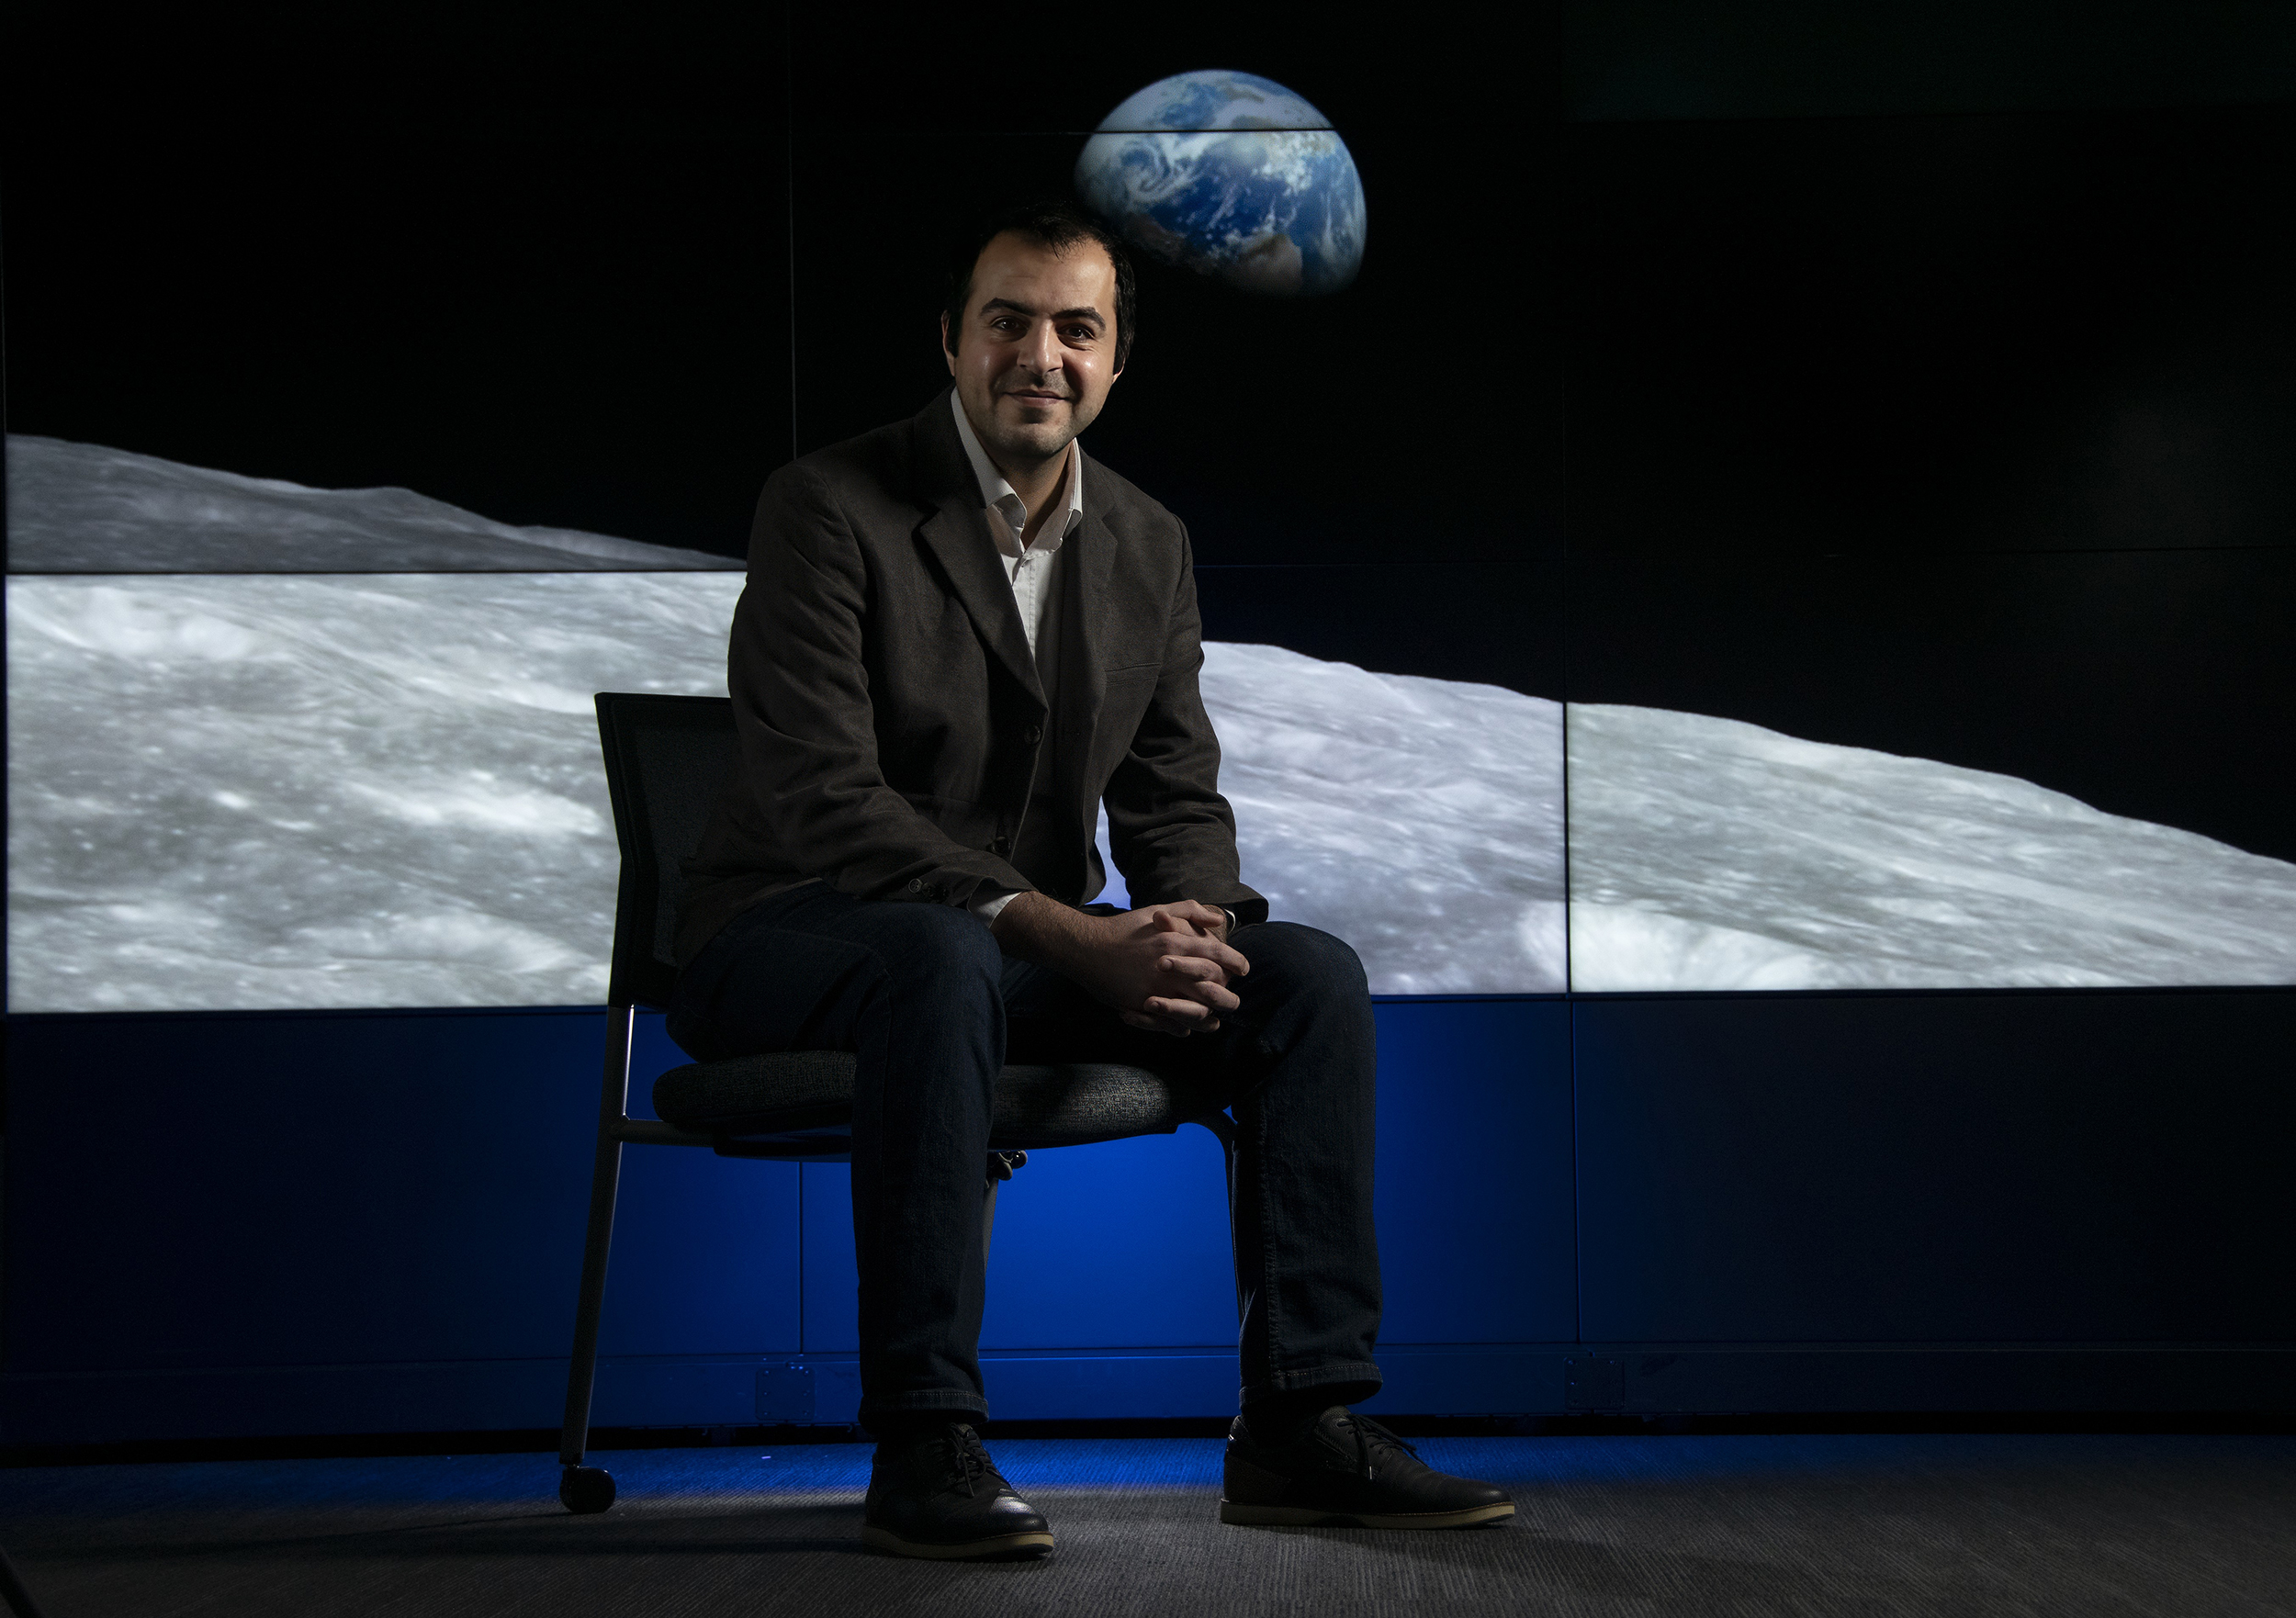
(584, 1490)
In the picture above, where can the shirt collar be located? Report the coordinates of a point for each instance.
(998, 493)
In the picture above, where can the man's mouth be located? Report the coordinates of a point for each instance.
(1035, 397)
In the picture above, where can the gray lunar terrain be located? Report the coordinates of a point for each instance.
(1712, 854)
(326, 790)
(1419, 819)
(81, 507)
(238, 790)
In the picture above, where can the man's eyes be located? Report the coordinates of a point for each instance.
(1078, 334)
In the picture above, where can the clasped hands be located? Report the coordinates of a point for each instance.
(1165, 967)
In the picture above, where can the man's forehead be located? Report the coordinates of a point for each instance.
(1043, 280)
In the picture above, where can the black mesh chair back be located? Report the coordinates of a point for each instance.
(666, 759)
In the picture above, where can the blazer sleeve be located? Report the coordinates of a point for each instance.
(795, 669)
(1172, 833)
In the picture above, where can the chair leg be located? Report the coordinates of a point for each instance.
(1223, 1129)
(1000, 1167)
(588, 1489)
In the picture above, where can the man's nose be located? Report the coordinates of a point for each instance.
(1042, 351)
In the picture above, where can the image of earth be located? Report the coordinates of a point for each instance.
(1234, 176)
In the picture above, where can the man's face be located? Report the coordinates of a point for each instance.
(1037, 351)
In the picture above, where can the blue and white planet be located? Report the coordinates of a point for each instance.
(1234, 176)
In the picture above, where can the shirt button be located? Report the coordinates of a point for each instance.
(917, 884)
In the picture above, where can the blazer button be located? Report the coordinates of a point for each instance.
(1001, 846)
(917, 884)
(1034, 735)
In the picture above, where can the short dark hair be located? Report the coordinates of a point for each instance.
(1058, 225)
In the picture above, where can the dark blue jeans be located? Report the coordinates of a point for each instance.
(933, 1008)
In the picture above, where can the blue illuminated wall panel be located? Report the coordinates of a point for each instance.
(246, 1201)
(1126, 1243)
(1121, 1244)
(229, 1225)
(1475, 1171)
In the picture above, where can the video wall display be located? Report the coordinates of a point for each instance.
(1760, 691)
(1932, 493)
(309, 784)
(325, 787)
(1310, 426)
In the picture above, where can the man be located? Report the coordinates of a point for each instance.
(959, 638)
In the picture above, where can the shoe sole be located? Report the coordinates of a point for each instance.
(1002, 1544)
(1246, 1516)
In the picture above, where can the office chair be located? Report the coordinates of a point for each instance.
(666, 758)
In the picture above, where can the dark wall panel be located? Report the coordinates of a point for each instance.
(216, 1191)
(2104, 1168)
(1715, 59)
(2014, 331)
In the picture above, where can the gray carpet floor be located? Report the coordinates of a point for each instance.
(1831, 1527)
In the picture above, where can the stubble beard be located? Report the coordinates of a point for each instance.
(1034, 442)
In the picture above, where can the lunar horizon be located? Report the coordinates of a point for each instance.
(240, 789)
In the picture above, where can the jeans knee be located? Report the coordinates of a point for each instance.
(1307, 959)
(934, 951)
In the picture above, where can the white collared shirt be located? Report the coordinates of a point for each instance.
(1032, 569)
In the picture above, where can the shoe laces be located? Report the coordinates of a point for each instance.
(968, 1457)
(1370, 1439)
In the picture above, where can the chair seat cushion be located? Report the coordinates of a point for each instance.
(803, 1092)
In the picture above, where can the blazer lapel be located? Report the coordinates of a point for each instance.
(1088, 557)
(957, 534)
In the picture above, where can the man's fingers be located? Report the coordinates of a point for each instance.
(1153, 1024)
(1203, 915)
(1177, 1027)
(1211, 991)
(1187, 917)
(1220, 955)
(1190, 916)
(1188, 1015)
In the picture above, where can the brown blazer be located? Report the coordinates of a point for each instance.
(890, 715)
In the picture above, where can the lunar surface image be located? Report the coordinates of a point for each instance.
(1419, 819)
(80, 508)
(277, 783)
(1712, 854)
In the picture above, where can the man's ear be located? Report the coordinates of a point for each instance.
(947, 353)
